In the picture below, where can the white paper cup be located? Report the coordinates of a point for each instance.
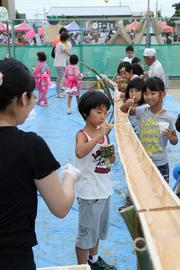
(163, 126)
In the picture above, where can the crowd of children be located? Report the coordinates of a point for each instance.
(70, 77)
(143, 99)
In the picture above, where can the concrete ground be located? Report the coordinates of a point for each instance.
(174, 88)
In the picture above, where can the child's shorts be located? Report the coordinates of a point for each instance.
(93, 222)
(164, 170)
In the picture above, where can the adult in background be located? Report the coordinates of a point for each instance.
(155, 67)
(57, 38)
(62, 53)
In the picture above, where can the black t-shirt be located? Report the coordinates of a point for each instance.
(24, 156)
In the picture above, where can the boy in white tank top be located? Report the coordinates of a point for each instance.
(93, 189)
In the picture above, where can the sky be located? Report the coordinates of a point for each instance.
(37, 8)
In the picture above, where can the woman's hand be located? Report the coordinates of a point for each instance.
(71, 170)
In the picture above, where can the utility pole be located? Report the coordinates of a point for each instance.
(156, 9)
(148, 37)
(44, 14)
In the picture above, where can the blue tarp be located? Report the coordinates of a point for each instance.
(57, 237)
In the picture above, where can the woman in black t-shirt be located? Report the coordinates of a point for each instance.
(26, 165)
(177, 124)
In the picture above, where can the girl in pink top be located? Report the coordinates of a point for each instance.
(42, 78)
(73, 81)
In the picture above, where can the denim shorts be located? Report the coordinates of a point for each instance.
(93, 222)
(164, 170)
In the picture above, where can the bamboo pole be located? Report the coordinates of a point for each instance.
(103, 83)
(144, 260)
(131, 219)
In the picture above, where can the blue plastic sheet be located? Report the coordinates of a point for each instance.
(57, 237)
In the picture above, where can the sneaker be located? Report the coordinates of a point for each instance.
(43, 104)
(60, 95)
(69, 111)
(101, 265)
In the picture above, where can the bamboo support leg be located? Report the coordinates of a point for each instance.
(131, 219)
(144, 260)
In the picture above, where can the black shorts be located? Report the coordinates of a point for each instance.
(164, 170)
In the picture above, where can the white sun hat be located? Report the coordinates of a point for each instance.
(149, 52)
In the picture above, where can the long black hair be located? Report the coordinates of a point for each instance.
(124, 66)
(138, 84)
(137, 69)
